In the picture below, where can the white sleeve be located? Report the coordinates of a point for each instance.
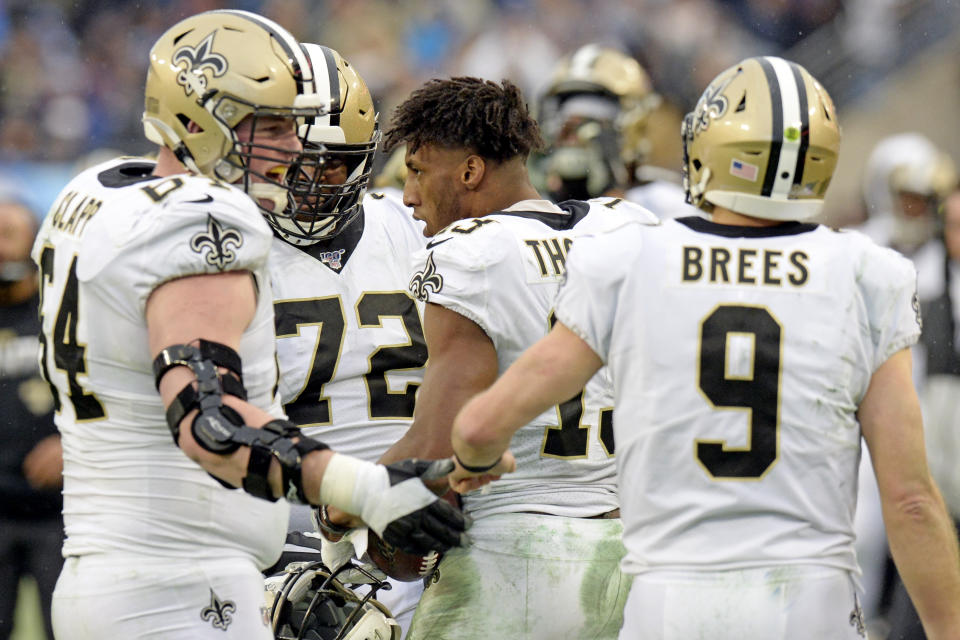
(194, 236)
(590, 296)
(455, 272)
(889, 286)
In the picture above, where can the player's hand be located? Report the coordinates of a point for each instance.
(43, 466)
(463, 481)
(409, 515)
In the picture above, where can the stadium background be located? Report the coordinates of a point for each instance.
(71, 71)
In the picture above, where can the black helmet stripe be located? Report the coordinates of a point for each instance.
(287, 42)
(790, 127)
(334, 82)
(776, 131)
(804, 123)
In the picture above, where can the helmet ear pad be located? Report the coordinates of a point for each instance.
(763, 141)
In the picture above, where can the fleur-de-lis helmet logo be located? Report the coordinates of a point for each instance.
(217, 612)
(194, 61)
(423, 282)
(217, 242)
(712, 105)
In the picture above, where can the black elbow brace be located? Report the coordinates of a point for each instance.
(219, 429)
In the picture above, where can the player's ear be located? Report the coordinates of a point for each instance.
(472, 171)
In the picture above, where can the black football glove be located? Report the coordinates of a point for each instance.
(409, 516)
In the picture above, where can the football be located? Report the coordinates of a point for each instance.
(403, 566)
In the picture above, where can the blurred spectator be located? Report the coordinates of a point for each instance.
(31, 463)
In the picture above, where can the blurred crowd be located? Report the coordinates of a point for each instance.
(70, 69)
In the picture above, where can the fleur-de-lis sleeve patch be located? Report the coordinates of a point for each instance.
(423, 282)
(218, 243)
(218, 612)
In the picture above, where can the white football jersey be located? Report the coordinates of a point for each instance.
(349, 335)
(739, 357)
(666, 199)
(115, 234)
(502, 271)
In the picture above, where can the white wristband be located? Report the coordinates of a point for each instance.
(340, 480)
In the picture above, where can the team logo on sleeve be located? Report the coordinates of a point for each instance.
(217, 241)
(423, 282)
(915, 302)
(194, 61)
(218, 612)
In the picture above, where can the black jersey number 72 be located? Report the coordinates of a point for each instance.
(311, 406)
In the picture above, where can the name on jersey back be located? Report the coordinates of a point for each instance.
(72, 213)
(721, 265)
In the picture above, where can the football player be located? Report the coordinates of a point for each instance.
(745, 374)
(350, 343)
(905, 179)
(594, 115)
(545, 552)
(154, 278)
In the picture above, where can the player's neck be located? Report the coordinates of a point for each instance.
(721, 215)
(167, 164)
(506, 189)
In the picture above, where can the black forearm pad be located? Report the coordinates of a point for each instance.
(183, 355)
(279, 439)
(212, 426)
(221, 430)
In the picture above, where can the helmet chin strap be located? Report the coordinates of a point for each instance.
(697, 190)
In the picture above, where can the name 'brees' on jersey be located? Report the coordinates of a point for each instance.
(720, 265)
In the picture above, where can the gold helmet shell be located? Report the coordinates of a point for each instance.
(603, 71)
(214, 69)
(345, 138)
(763, 141)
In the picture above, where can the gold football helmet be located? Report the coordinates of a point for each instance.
(602, 72)
(329, 183)
(905, 179)
(762, 141)
(209, 72)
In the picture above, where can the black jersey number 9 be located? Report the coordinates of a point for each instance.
(757, 391)
(311, 406)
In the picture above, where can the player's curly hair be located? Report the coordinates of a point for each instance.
(469, 113)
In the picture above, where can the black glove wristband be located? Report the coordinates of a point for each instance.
(479, 468)
(328, 527)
